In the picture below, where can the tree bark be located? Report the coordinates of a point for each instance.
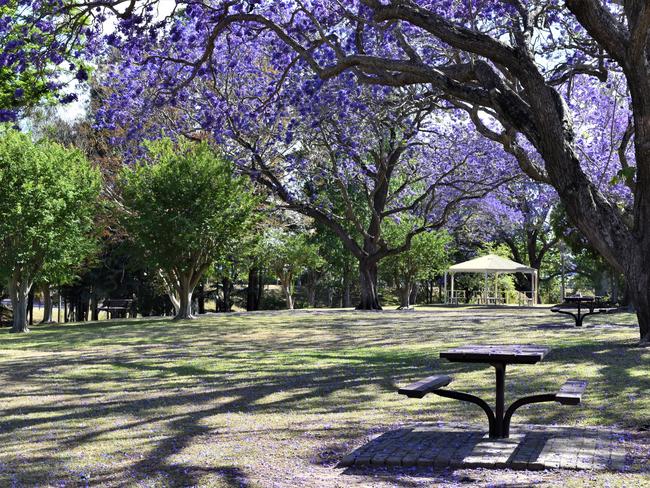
(414, 293)
(227, 286)
(285, 282)
(252, 290)
(404, 297)
(184, 301)
(260, 288)
(175, 300)
(94, 313)
(19, 293)
(47, 304)
(347, 299)
(311, 296)
(368, 283)
(289, 299)
(201, 298)
(638, 282)
(30, 306)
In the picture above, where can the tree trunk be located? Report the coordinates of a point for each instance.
(311, 296)
(183, 303)
(252, 290)
(404, 297)
(347, 299)
(368, 282)
(19, 293)
(289, 298)
(614, 290)
(83, 304)
(226, 283)
(175, 300)
(638, 281)
(286, 288)
(94, 313)
(414, 293)
(260, 288)
(30, 306)
(201, 298)
(47, 304)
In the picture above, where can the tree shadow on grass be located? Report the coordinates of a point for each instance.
(141, 380)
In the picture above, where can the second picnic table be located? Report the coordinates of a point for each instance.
(583, 307)
(498, 356)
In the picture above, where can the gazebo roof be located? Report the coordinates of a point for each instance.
(491, 264)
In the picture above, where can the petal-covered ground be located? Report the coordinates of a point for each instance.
(278, 398)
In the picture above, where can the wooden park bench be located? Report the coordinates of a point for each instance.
(581, 307)
(116, 306)
(570, 393)
(427, 385)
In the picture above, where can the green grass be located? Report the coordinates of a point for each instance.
(275, 399)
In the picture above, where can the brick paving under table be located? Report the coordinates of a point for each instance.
(464, 446)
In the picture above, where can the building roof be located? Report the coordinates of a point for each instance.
(491, 264)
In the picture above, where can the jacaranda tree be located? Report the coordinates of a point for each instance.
(518, 215)
(511, 65)
(346, 156)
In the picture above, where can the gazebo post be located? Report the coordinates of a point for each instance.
(485, 289)
(532, 284)
(496, 287)
(452, 288)
(533, 287)
(444, 300)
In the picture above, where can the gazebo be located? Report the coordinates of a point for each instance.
(490, 265)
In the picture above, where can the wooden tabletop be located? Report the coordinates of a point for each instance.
(580, 299)
(511, 353)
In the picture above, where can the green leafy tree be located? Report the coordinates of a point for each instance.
(184, 205)
(48, 202)
(427, 256)
(289, 256)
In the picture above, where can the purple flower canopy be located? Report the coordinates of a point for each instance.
(270, 72)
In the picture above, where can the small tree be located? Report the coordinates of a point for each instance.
(428, 255)
(48, 202)
(183, 205)
(290, 255)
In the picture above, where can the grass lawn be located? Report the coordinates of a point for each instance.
(277, 398)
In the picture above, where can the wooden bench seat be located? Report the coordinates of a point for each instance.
(427, 385)
(571, 392)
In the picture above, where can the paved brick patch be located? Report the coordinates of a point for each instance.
(465, 446)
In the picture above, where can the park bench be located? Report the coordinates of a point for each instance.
(427, 385)
(570, 393)
(119, 306)
(581, 307)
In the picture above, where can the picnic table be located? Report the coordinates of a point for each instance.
(116, 307)
(580, 307)
(497, 356)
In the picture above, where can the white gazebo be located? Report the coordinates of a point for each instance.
(491, 265)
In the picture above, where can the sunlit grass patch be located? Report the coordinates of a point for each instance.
(265, 398)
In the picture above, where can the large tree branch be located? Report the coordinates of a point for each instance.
(453, 34)
(602, 26)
